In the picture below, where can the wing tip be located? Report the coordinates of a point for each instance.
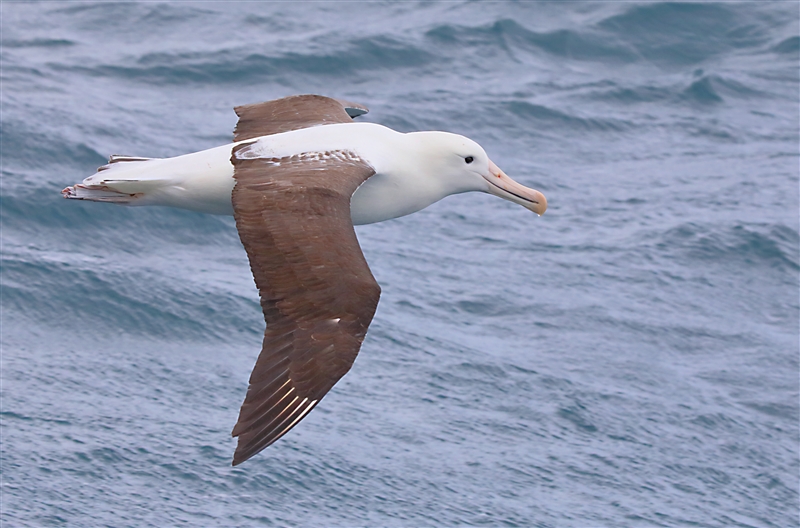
(353, 109)
(247, 449)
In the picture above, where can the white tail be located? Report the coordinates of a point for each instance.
(97, 193)
(201, 181)
(114, 186)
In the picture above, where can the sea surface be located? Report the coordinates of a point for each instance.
(628, 359)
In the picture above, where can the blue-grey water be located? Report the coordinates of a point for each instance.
(628, 359)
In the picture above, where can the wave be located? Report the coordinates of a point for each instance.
(700, 89)
(113, 16)
(241, 65)
(772, 245)
(37, 43)
(42, 212)
(681, 34)
(62, 292)
(666, 34)
(789, 46)
(511, 37)
(525, 113)
(715, 88)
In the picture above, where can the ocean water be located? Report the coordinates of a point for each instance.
(628, 359)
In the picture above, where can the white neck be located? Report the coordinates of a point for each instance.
(404, 186)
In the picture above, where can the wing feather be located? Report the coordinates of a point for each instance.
(317, 292)
(292, 113)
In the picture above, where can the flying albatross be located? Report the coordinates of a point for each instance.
(298, 176)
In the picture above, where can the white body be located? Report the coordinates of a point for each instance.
(203, 181)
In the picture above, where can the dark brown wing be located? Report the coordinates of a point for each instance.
(292, 113)
(317, 293)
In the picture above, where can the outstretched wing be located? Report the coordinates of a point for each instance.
(317, 292)
(292, 113)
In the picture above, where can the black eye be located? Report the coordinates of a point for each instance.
(469, 159)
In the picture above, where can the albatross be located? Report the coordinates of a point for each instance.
(297, 178)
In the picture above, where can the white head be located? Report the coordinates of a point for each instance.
(456, 164)
(423, 167)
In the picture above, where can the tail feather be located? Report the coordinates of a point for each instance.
(98, 193)
(116, 158)
(122, 181)
(201, 181)
(119, 158)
